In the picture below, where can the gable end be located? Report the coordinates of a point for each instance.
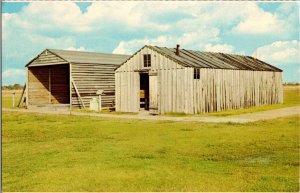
(46, 58)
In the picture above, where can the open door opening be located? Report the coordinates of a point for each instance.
(153, 93)
(48, 85)
(144, 91)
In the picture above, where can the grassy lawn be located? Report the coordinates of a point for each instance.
(7, 98)
(69, 153)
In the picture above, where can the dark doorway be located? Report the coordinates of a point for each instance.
(48, 85)
(144, 91)
(59, 81)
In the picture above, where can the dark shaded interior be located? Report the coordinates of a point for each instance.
(144, 91)
(48, 85)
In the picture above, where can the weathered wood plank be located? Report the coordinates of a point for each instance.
(78, 94)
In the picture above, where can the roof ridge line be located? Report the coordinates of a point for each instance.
(49, 49)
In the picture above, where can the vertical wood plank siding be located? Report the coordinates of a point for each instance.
(91, 77)
(220, 89)
(178, 91)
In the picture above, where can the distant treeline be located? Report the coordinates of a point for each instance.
(13, 87)
(291, 83)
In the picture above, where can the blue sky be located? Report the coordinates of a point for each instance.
(267, 30)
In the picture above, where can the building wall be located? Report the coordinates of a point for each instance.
(168, 72)
(88, 79)
(219, 89)
(178, 91)
(48, 85)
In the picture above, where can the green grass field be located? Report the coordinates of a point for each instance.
(7, 98)
(69, 153)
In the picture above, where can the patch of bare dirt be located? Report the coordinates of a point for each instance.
(251, 117)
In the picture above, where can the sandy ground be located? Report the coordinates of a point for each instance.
(244, 118)
(271, 114)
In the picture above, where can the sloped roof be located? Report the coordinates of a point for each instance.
(90, 57)
(83, 57)
(197, 59)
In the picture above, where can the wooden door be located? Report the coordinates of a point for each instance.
(153, 90)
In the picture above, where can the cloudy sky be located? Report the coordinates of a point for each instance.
(267, 30)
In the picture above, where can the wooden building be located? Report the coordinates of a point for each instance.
(71, 78)
(177, 80)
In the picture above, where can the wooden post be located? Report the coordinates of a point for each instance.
(27, 87)
(99, 93)
(99, 104)
(22, 96)
(49, 79)
(13, 98)
(78, 94)
(70, 84)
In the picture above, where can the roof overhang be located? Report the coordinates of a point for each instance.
(54, 64)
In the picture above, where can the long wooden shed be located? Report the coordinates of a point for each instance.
(71, 78)
(164, 80)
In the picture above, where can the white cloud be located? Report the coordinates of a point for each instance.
(12, 72)
(68, 16)
(22, 39)
(126, 26)
(280, 52)
(48, 16)
(257, 21)
(76, 49)
(24, 46)
(190, 40)
(202, 29)
(13, 76)
(130, 47)
(223, 48)
(51, 16)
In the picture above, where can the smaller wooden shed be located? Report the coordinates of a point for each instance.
(71, 78)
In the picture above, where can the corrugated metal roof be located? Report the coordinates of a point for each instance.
(89, 57)
(197, 59)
